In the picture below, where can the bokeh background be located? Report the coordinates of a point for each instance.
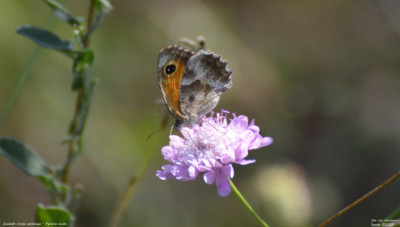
(320, 77)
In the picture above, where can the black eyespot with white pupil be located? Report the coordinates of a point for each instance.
(169, 69)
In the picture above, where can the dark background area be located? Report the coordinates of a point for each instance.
(320, 77)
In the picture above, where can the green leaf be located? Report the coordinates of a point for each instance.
(62, 13)
(97, 19)
(55, 189)
(85, 58)
(24, 157)
(107, 7)
(53, 215)
(44, 38)
(51, 184)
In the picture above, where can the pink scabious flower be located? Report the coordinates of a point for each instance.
(210, 148)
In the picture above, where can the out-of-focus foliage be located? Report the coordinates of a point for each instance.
(45, 215)
(320, 77)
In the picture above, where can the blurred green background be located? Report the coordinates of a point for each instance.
(320, 77)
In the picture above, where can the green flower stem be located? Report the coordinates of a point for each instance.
(246, 204)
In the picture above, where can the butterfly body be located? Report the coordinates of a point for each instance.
(191, 83)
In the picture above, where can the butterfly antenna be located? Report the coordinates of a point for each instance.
(153, 133)
(163, 125)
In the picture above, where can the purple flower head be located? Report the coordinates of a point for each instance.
(211, 148)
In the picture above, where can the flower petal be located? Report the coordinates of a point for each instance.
(209, 177)
(182, 173)
(246, 162)
(192, 172)
(240, 122)
(228, 171)
(260, 142)
(223, 185)
(241, 151)
(169, 153)
(165, 174)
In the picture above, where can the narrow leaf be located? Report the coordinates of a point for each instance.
(44, 38)
(98, 18)
(100, 8)
(52, 215)
(62, 13)
(107, 7)
(24, 157)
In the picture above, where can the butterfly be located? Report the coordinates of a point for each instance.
(191, 83)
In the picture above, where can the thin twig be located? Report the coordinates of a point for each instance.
(89, 23)
(358, 201)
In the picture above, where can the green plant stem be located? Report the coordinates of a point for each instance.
(20, 84)
(246, 204)
(124, 199)
(22, 78)
(362, 199)
(129, 190)
(76, 141)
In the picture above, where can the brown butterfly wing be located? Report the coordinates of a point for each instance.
(170, 69)
(205, 78)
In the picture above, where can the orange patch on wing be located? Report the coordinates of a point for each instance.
(171, 89)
